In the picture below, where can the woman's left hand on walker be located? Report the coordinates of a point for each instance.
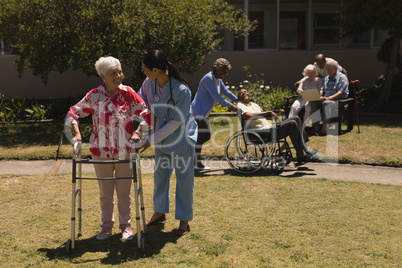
(135, 138)
(144, 146)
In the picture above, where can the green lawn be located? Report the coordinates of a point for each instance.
(378, 143)
(258, 221)
(238, 221)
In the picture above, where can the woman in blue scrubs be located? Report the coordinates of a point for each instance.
(167, 94)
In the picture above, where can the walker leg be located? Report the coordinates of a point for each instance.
(71, 243)
(137, 211)
(141, 192)
(79, 200)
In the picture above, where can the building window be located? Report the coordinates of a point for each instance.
(326, 29)
(265, 35)
(379, 37)
(5, 48)
(265, 13)
(256, 37)
(292, 30)
(298, 24)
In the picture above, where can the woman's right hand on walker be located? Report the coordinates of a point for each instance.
(77, 138)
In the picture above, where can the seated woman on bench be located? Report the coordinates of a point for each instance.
(292, 127)
(309, 82)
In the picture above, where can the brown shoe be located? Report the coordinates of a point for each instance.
(181, 232)
(160, 219)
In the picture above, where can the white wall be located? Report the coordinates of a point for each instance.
(279, 67)
(71, 83)
(285, 67)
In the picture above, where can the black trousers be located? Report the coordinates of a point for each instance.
(291, 127)
(204, 134)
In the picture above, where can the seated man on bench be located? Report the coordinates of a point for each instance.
(335, 87)
(292, 127)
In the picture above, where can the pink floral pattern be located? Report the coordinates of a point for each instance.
(112, 119)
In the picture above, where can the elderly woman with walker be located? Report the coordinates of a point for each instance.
(167, 94)
(113, 107)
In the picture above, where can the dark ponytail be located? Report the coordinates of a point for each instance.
(157, 59)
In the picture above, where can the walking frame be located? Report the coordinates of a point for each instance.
(77, 193)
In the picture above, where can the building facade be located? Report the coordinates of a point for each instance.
(288, 36)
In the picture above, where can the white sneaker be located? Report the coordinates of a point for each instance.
(104, 233)
(201, 167)
(127, 234)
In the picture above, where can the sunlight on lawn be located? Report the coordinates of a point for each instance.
(238, 222)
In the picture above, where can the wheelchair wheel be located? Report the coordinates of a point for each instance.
(285, 152)
(277, 165)
(246, 152)
(68, 246)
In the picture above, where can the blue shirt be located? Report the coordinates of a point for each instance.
(207, 95)
(186, 133)
(339, 82)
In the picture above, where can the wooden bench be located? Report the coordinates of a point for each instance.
(345, 108)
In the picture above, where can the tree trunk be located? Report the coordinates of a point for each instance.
(389, 73)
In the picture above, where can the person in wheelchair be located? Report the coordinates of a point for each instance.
(256, 120)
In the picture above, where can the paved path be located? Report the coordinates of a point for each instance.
(344, 172)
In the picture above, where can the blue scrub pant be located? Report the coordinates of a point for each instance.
(183, 164)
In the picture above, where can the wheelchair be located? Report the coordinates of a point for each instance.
(246, 151)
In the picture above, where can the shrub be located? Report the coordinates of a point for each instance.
(367, 98)
(20, 110)
(37, 112)
(266, 96)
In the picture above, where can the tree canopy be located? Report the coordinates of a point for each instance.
(57, 35)
(363, 15)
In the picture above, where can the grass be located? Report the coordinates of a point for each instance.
(379, 142)
(259, 221)
(238, 221)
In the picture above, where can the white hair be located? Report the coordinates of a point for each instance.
(310, 68)
(332, 63)
(105, 63)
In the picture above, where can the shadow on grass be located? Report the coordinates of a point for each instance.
(118, 252)
(300, 172)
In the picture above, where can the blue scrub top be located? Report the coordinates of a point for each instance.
(186, 134)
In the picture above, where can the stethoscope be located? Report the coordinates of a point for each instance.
(170, 101)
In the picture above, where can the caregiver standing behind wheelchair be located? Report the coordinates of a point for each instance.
(208, 94)
(167, 94)
(113, 107)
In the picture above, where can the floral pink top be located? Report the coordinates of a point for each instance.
(112, 119)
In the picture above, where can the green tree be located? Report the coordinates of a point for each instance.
(363, 15)
(57, 35)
